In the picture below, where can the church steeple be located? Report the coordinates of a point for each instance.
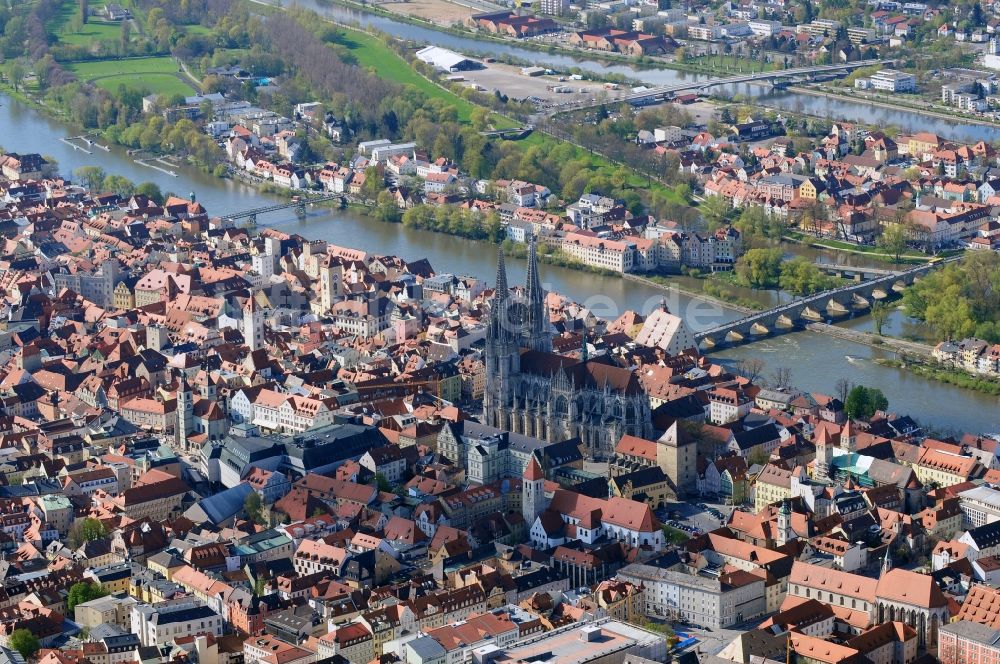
(502, 289)
(499, 329)
(535, 334)
(502, 360)
(887, 561)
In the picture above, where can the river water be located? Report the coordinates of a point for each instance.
(847, 110)
(816, 361)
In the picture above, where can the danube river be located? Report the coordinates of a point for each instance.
(816, 361)
(841, 109)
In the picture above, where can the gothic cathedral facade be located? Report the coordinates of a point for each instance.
(532, 391)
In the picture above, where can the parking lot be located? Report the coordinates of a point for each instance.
(509, 80)
(696, 517)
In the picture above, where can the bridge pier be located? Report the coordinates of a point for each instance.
(784, 321)
(300, 210)
(812, 314)
(734, 337)
(835, 308)
(759, 330)
(860, 302)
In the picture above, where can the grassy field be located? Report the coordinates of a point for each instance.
(158, 75)
(197, 29)
(370, 53)
(635, 180)
(92, 31)
(726, 64)
(913, 256)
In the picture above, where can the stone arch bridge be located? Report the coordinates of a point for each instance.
(795, 315)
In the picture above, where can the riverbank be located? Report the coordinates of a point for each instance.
(891, 106)
(663, 282)
(838, 245)
(894, 344)
(815, 360)
(945, 374)
(643, 62)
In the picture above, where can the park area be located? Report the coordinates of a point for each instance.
(158, 75)
(67, 27)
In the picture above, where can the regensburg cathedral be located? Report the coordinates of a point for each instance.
(532, 391)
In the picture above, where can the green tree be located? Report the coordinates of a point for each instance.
(386, 208)
(83, 591)
(759, 268)
(373, 183)
(119, 184)
(715, 211)
(758, 457)
(23, 641)
(16, 70)
(382, 483)
(91, 177)
(862, 402)
(893, 240)
(254, 508)
(960, 299)
(124, 36)
(152, 191)
(880, 314)
(86, 530)
(800, 276)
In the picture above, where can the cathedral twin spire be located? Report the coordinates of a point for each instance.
(531, 318)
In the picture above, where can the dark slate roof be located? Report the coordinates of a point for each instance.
(986, 536)
(758, 436)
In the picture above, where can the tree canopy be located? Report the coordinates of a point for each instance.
(23, 641)
(83, 591)
(863, 402)
(961, 299)
(759, 268)
(86, 530)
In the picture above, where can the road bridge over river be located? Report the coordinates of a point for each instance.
(662, 93)
(800, 312)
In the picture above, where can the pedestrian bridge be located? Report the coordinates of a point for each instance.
(795, 315)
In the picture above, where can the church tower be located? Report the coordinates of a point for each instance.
(253, 324)
(535, 333)
(824, 455)
(330, 277)
(502, 356)
(532, 492)
(785, 533)
(849, 437)
(185, 411)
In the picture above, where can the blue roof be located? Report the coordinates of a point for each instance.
(225, 504)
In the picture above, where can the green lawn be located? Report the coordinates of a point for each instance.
(371, 53)
(855, 248)
(158, 75)
(730, 64)
(197, 29)
(94, 30)
(635, 180)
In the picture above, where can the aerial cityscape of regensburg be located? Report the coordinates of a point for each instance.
(499, 332)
